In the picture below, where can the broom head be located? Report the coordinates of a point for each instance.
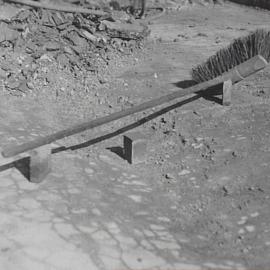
(239, 51)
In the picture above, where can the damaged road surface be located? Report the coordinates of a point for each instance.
(199, 199)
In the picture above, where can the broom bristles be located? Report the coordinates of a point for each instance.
(239, 51)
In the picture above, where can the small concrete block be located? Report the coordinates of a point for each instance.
(135, 147)
(3, 160)
(227, 93)
(40, 163)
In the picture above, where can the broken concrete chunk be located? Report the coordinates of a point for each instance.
(90, 37)
(7, 34)
(52, 46)
(120, 16)
(2, 74)
(126, 30)
(8, 12)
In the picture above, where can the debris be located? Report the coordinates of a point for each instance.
(120, 16)
(169, 176)
(103, 80)
(7, 34)
(2, 74)
(90, 37)
(76, 41)
(125, 30)
(7, 12)
(52, 46)
(184, 172)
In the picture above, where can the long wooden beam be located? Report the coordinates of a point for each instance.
(235, 75)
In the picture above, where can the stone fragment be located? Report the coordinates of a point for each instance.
(7, 34)
(169, 176)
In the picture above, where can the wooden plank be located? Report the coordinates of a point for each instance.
(235, 75)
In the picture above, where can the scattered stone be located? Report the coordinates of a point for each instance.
(126, 31)
(241, 231)
(7, 34)
(120, 16)
(102, 80)
(2, 74)
(8, 12)
(136, 198)
(250, 228)
(13, 83)
(184, 172)
(90, 37)
(169, 176)
(255, 214)
(52, 46)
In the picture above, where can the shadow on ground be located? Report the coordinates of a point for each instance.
(210, 94)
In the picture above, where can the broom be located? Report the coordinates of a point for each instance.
(239, 51)
(242, 58)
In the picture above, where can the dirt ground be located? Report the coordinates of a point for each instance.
(207, 165)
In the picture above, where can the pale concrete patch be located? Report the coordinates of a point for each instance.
(69, 259)
(101, 235)
(186, 266)
(136, 198)
(5, 182)
(111, 263)
(142, 259)
(65, 230)
(165, 245)
(113, 228)
(250, 228)
(184, 172)
(109, 251)
(85, 229)
(37, 240)
(125, 242)
(29, 203)
(89, 171)
(96, 212)
(39, 215)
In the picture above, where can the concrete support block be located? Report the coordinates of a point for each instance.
(40, 163)
(135, 147)
(227, 93)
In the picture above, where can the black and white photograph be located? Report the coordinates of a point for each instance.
(135, 135)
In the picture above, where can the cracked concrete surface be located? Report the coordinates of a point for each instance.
(97, 214)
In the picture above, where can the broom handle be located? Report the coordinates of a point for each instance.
(247, 68)
(63, 8)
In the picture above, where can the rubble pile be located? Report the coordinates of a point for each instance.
(75, 40)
